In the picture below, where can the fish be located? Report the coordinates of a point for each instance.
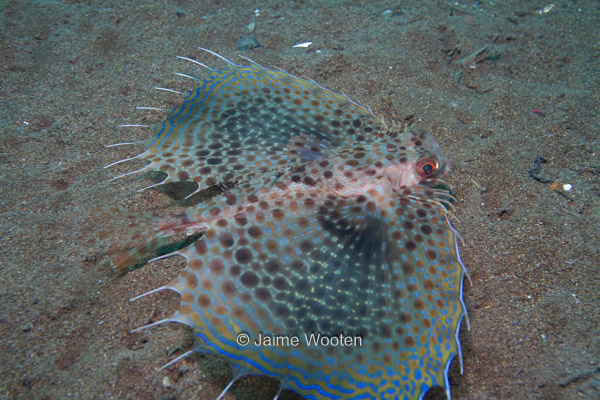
(323, 256)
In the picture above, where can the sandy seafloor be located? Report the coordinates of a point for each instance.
(72, 71)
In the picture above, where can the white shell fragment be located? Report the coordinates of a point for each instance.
(546, 9)
(305, 44)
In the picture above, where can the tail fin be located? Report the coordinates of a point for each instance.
(148, 235)
(139, 255)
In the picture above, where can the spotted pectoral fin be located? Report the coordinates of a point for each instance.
(243, 119)
(309, 263)
(258, 272)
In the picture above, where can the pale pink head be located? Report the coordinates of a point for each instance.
(417, 159)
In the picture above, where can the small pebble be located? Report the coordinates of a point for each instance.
(248, 43)
(167, 383)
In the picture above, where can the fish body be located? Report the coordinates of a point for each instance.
(328, 261)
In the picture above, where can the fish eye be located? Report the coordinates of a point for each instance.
(427, 166)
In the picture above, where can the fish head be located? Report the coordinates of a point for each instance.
(417, 159)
